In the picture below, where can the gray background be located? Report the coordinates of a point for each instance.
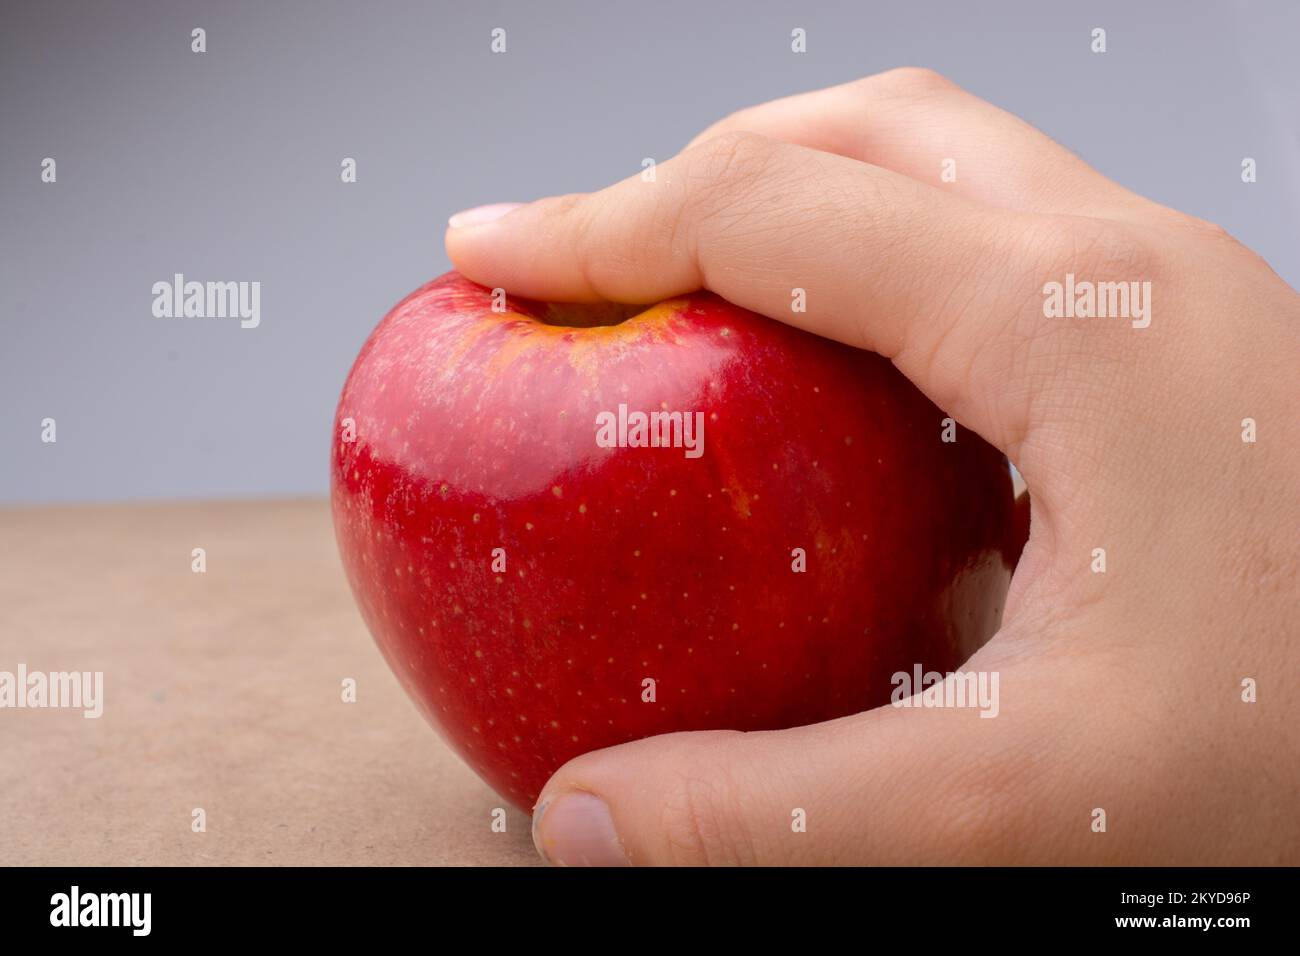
(225, 166)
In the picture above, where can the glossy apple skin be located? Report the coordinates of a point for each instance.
(476, 430)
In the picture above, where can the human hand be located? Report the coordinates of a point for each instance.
(1122, 690)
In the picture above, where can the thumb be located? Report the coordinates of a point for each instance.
(896, 785)
(678, 799)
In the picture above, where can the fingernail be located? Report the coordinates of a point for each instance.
(481, 214)
(575, 829)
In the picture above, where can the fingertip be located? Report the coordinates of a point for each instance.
(576, 828)
(476, 248)
(481, 215)
(520, 247)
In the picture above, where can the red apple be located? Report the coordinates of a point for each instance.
(541, 594)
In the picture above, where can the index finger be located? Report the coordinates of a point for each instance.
(940, 284)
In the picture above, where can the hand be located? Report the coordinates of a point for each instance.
(1121, 690)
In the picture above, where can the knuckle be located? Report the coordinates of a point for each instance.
(908, 82)
(1211, 240)
(570, 208)
(606, 237)
(732, 159)
(574, 213)
(721, 175)
(736, 121)
(1203, 229)
(1064, 254)
(1092, 248)
(700, 817)
(578, 214)
(980, 830)
(981, 814)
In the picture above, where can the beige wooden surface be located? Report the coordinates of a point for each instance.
(222, 691)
